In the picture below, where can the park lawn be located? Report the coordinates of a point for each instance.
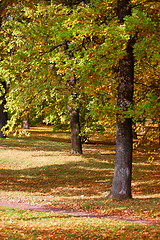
(40, 170)
(25, 224)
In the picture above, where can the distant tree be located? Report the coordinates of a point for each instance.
(4, 4)
(3, 114)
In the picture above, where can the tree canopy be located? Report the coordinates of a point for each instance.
(34, 44)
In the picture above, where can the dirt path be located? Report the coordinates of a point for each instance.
(5, 203)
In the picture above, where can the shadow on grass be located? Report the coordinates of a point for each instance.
(89, 177)
(71, 177)
(29, 144)
(50, 144)
(79, 177)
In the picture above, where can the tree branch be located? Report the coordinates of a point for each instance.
(52, 49)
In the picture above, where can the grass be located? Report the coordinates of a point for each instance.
(20, 224)
(39, 169)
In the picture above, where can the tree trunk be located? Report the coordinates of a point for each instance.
(121, 185)
(75, 132)
(3, 120)
(76, 146)
(3, 113)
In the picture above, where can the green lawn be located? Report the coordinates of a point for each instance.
(20, 224)
(39, 169)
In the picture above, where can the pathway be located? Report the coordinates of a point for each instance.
(5, 203)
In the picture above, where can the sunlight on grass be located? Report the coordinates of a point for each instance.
(157, 195)
(39, 169)
(138, 183)
(41, 129)
(22, 224)
(17, 159)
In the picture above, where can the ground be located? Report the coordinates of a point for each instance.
(38, 171)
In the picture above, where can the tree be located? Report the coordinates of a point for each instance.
(110, 46)
(121, 186)
(28, 65)
(3, 115)
(121, 38)
(76, 147)
(76, 143)
(4, 4)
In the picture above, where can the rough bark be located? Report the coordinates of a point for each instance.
(76, 147)
(121, 185)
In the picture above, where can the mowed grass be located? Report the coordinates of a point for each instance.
(39, 169)
(21, 224)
